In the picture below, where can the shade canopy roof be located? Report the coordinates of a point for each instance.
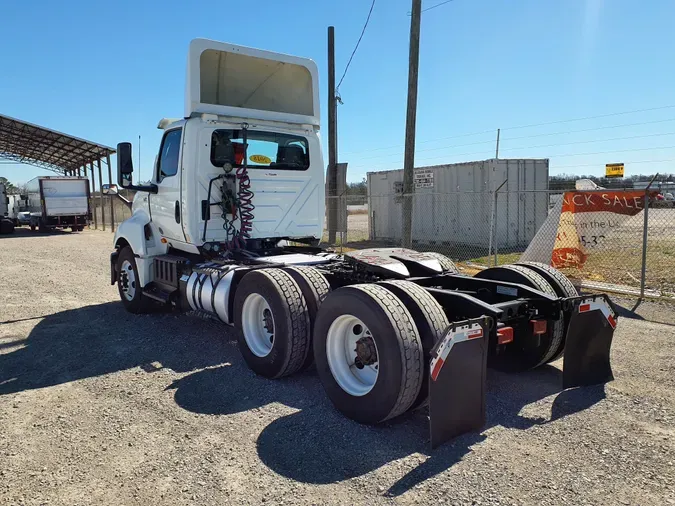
(25, 142)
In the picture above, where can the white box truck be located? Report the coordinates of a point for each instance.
(58, 202)
(230, 225)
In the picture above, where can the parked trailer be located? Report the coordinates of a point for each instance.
(229, 228)
(454, 203)
(58, 202)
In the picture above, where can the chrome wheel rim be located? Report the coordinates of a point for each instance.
(128, 280)
(258, 325)
(355, 371)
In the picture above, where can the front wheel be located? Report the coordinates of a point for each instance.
(128, 283)
(368, 353)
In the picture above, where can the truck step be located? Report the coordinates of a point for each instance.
(158, 292)
(166, 271)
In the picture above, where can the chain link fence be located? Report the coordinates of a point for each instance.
(101, 217)
(482, 229)
(596, 247)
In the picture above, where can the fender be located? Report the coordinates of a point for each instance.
(144, 240)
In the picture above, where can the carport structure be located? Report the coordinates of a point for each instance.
(24, 142)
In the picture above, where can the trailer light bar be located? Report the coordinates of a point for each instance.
(505, 335)
(538, 327)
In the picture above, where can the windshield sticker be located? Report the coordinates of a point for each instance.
(260, 159)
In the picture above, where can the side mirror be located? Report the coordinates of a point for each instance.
(125, 165)
(109, 189)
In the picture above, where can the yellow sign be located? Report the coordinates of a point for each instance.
(260, 159)
(614, 170)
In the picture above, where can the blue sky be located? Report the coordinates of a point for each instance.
(109, 71)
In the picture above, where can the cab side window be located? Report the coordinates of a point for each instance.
(168, 154)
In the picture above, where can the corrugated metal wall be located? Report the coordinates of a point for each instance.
(459, 207)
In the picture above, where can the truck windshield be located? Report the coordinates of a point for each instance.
(265, 149)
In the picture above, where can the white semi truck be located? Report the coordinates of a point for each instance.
(230, 227)
(58, 202)
(6, 221)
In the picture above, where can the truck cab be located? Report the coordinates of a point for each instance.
(244, 163)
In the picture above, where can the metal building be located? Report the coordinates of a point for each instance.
(454, 203)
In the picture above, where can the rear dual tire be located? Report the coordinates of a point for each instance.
(314, 289)
(374, 317)
(430, 320)
(562, 286)
(275, 310)
(521, 354)
(273, 323)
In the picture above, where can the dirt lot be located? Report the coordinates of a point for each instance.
(101, 407)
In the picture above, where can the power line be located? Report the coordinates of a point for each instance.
(437, 5)
(591, 117)
(525, 147)
(575, 154)
(423, 142)
(542, 124)
(589, 129)
(561, 155)
(625, 162)
(590, 142)
(356, 47)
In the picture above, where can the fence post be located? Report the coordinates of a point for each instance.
(493, 221)
(645, 229)
(112, 204)
(93, 191)
(100, 193)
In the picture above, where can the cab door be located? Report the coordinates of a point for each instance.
(165, 205)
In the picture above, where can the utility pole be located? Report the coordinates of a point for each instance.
(139, 160)
(332, 140)
(411, 118)
(497, 153)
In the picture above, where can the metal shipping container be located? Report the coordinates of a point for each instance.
(454, 203)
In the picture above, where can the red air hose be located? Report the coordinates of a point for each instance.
(246, 207)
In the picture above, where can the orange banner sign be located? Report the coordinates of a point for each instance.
(582, 223)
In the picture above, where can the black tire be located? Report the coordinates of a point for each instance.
(446, 264)
(563, 288)
(291, 331)
(430, 320)
(6, 227)
(80, 228)
(399, 348)
(139, 304)
(33, 227)
(517, 357)
(314, 288)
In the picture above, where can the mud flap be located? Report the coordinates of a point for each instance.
(588, 341)
(457, 380)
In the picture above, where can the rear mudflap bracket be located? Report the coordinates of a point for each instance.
(598, 303)
(457, 333)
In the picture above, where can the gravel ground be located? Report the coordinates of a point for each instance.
(101, 407)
